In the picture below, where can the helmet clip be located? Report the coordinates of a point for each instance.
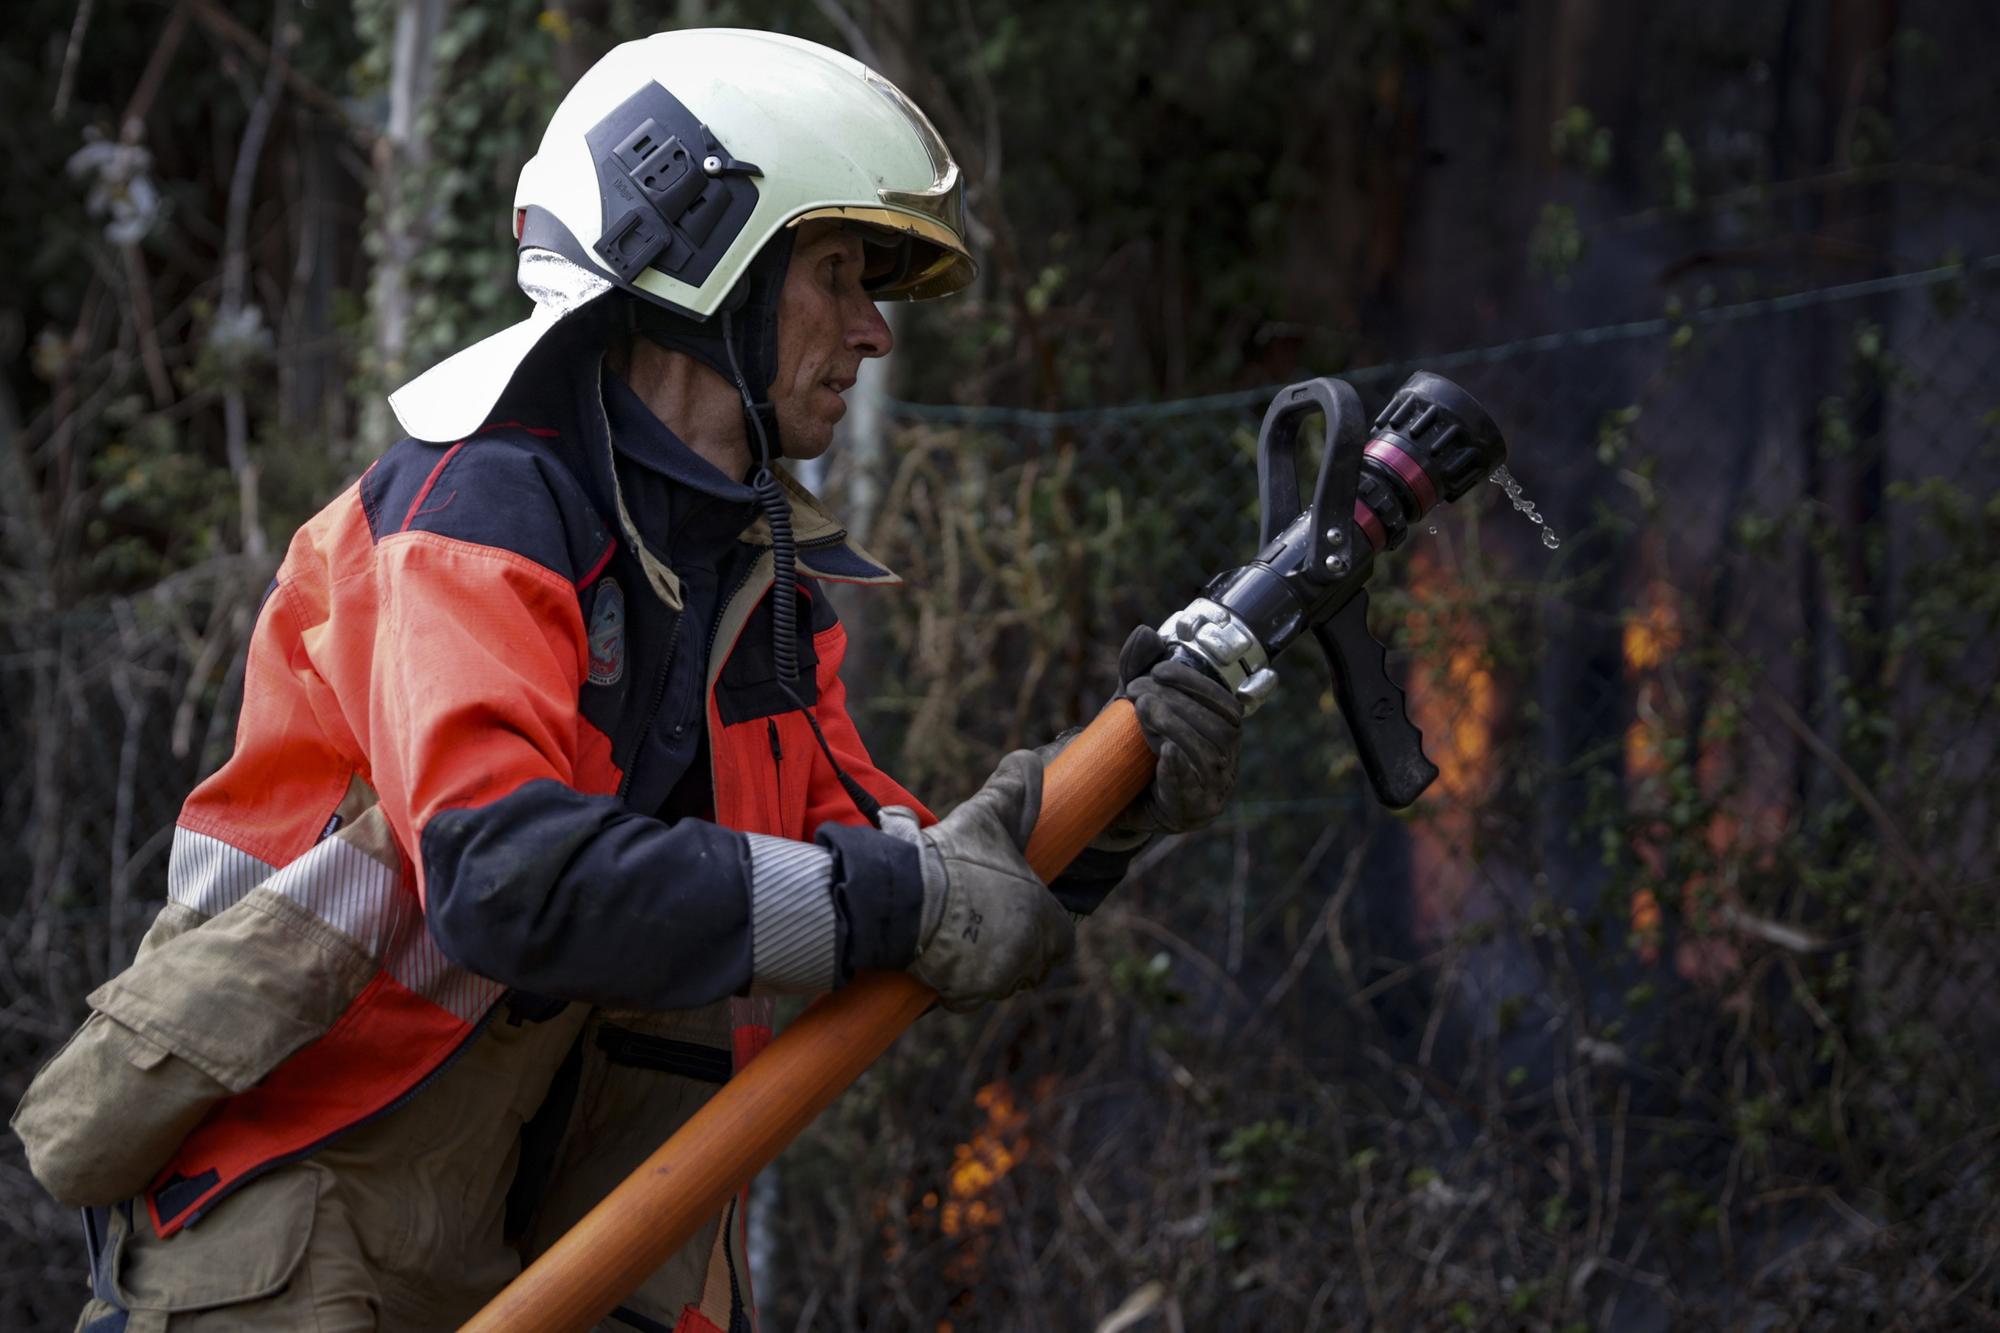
(666, 183)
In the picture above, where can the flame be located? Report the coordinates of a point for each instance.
(963, 1209)
(1654, 635)
(1646, 924)
(1734, 838)
(1651, 636)
(1465, 762)
(995, 1149)
(1644, 750)
(1456, 704)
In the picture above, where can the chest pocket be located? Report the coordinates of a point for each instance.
(748, 686)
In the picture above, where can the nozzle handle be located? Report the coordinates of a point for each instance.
(1344, 430)
(1390, 746)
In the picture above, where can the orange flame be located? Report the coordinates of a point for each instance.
(1456, 704)
(1465, 760)
(1653, 635)
(1646, 924)
(995, 1149)
(964, 1210)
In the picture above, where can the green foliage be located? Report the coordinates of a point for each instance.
(160, 506)
(1579, 141)
(1457, 1108)
(499, 62)
(1558, 244)
(1262, 1163)
(1614, 434)
(123, 437)
(1677, 172)
(1165, 224)
(1148, 981)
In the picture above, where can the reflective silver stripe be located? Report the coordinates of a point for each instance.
(416, 961)
(556, 283)
(209, 875)
(792, 924)
(350, 891)
(364, 899)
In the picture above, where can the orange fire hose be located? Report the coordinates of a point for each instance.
(745, 1125)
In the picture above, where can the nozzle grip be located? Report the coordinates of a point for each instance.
(1345, 430)
(1390, 746)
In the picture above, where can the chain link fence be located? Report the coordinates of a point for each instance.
(1662, 1005)
(1668, 1003)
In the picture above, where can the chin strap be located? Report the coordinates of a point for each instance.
(762, 420)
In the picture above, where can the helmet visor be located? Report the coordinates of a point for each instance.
(930, 258)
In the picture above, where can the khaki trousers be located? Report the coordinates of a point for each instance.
(399, 1224)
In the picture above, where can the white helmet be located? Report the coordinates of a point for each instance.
(674, 162)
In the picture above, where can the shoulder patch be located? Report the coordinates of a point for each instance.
(607, 633)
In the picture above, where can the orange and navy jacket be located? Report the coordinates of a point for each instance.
(464, 633)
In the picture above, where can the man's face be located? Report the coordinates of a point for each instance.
(826, 325)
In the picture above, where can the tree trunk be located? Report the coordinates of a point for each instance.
(399, 152)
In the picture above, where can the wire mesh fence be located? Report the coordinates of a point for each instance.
(1583, 1039)
(1668, 1002)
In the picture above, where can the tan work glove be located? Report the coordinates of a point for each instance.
(990, 925)
(1193, 723)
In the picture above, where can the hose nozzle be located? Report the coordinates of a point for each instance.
(1429, 446)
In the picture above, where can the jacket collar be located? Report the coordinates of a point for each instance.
(825, 550)
(648, 441)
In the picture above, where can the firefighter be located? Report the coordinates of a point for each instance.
(544, 767)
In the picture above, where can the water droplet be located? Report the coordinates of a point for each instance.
(1504, 479)
(1432, 529)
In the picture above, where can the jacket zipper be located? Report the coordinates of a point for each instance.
(652, 713)
(722, 609)
(708, 685)
(673, 639)
(777, 788)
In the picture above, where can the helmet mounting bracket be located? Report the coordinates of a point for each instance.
(673, 197)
